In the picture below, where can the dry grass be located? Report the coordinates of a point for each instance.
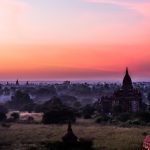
(24, 136)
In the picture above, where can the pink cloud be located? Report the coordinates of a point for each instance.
(12, 18)
(13, 6)
(140, 7)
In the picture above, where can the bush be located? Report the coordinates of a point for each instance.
(3, 116)
(135, 122)
(30, 119)
(144, 134)
(143, 116)
(15, 116)
(123, 117)
(103, 118)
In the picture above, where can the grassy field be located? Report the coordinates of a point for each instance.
(34, 136)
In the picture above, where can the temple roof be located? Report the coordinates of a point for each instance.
(69, 136)
(127, 82)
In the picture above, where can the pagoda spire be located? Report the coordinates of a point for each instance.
(127, 82)
(69, 127)
(17, 82)
(127, 72)
(69, 137)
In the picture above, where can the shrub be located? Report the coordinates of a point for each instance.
(30, 119)
(143, 116)
(123, 117)
(103, 118)
(144, 134)
(135, 122)
(15, 116)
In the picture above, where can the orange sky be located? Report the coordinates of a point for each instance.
(73, 61)
(78, 39)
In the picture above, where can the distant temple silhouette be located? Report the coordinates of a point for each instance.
(127, 82)
(27, 83)
(69, 137)
(17, 82)
(127, 98)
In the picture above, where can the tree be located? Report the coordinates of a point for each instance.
(58, 116)
(3, 116)
(19, 100)
(46, 91)
(68, 100)
(56, 112)
(54, 103)
(3, 109)
(28, 107)
(88, 111)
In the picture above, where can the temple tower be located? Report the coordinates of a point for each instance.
(69, 136)
(127, 82)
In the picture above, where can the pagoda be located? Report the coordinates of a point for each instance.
(69, 137)
(127, 97)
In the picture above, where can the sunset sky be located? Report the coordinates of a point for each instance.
(74, 39)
